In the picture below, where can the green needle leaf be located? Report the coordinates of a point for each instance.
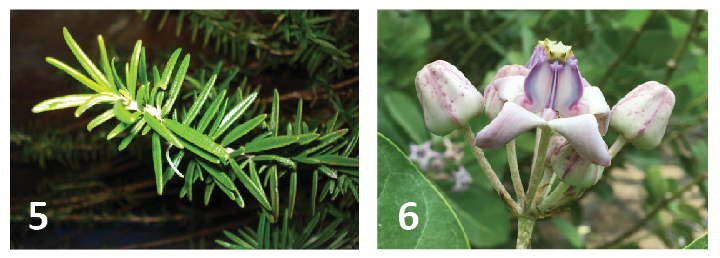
(106, 65)
(134, 62)
(117, 79)
(195, 109)
(298, 121)
(200, 152)
(314, 190)
(269, 143)
(293, 194)
(141, 96)
(123, 114)
(336, 160)
(117, 130)
(281, 160)
(255, 190)
(165, 79)
(210, 112)
(243, 129)
(134, 131)
(274, 116)
(197, 138)
(274, 191)
(219, 177)
(85, 61)
(175, 88)
(77, 75)
(101, 119)
(162, 130)
(91, 102)
(325, 140)
(142, 69)
(62, 102)
(307, 138)
(234, 114)
(157, 161)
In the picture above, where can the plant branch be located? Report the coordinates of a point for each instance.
(486, 36)
(514, 173)
(468, 134)
(631, 43)
(655, 211)
(537, 169)
(673, 63)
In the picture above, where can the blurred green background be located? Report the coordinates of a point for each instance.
(617, 50)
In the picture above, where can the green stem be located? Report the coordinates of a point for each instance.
(525, 228)
(680, 52)
(631, 43)
(617, 146)
(553, 197)
(514, 173)
(470, 139)
(536, 172)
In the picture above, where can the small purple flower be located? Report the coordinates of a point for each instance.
(462, 179)
(453, 151)
(422, 154)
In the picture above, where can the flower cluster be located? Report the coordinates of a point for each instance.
(548, 93)
(433, 163)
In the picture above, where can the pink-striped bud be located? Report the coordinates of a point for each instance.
(642, 115)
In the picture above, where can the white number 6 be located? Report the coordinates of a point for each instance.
(403, 214)
(34, 214)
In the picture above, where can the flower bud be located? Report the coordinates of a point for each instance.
(493, 103)
(569, 166)
(448, 99)
(642, 115)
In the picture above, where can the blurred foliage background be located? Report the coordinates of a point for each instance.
(617, 50)
(99, 197)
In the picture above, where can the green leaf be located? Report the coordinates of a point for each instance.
(700, 243)
(569, 231)
(298, 120)
(62, 102)
(269, 143)
(117, 130)
(243, 129)
(233, 115)
(274, 116)
(198, 151)
(281, 160)
(85, 61)
(400, 182)
(306, 138)
(165, 79)
(255, 190)
(195, 109)
(274, 195)
(197, 138)
(216, 172)
(407, 113)
(77, 75)
(336, 160)
(210, 112)
(142, 68)
(101, 119)
(293, 194)
(480, 222)
(157, 161)
(162, 130)
(106, 64)
(134, 131)
(123, 114)
(325, 140)
(175, 88)
(134, 62)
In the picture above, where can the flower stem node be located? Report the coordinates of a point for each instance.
(643, 114)
(448, 99)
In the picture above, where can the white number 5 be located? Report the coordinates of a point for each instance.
(34, 214)
(403, 214)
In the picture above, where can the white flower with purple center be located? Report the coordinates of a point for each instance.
(422, 154)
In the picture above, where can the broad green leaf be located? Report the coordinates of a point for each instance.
(400, 182)
(568, 230)
(195, 109)
(197, 138)
(157, 161)
(162, 130)
(255, 190)
(233, 115)
(62, 102)
(85, 61)
(242, 129)
(269, 143)
(336, 160)
(101, 119)
(407, 113)
(481, 222)
(700, 243)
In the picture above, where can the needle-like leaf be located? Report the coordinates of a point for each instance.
(195, 109)
(62, 102)
(175, 88)
(165, 79)
(197, 138)
(86, 62)
(269, 143)
(162, 130)
(234, 114)
(157, 161)
(210, 112)
(77, 75)
(243, 129)
(255, 190)
(101, 119)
